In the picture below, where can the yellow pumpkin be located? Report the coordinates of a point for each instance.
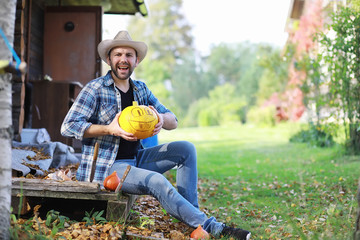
(139, 120)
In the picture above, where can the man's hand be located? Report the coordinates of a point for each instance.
(96, 130)
(115, 130)
(166, 121)
(160, 124)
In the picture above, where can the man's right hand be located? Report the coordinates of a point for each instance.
(115, 130)
(96, 130)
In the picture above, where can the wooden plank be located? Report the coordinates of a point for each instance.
(20, 4)
(101, 196)
(116, 210)
(118, 205)
(19, 22)
(54, 185)
(19, 45)
(15, 202)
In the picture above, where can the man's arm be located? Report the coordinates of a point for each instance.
(170, 121)
(167, 121)
(96, 130)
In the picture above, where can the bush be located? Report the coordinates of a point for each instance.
(262, 116)
(314, 136)
(222, 107)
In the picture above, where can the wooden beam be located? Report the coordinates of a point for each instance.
(54, 185)
(118, 205)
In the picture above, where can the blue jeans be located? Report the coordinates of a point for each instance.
(145, 178)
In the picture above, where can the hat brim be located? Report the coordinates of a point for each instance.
(106, 45)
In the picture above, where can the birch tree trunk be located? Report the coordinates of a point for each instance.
(7, 24)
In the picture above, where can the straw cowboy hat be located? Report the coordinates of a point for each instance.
(122, 39)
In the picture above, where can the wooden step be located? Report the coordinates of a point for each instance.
(65, 194)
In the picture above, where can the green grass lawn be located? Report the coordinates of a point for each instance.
(253, 177)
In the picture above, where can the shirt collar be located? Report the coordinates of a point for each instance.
(108, 80)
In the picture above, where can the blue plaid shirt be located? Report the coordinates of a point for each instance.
(98, 103)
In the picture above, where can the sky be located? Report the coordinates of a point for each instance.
(231, 21)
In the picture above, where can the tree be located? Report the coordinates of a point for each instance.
(256, 70)
(7, 23)
(168, 36)
(189, 82)
(222, 106)
(341, 52)
(274, 78)
(227, 63)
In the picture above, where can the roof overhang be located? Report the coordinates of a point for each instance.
(130, 7)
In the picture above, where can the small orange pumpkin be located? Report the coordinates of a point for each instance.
(112, 181)
(200, 233)
(139, 120)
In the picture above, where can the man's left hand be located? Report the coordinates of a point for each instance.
(160, 124)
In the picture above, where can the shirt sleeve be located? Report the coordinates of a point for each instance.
(146, 97)
(77, 119)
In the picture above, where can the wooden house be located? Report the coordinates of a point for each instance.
(58, 40)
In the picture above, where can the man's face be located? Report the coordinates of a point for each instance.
(122, 61)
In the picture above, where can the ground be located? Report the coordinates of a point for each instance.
(147, 219)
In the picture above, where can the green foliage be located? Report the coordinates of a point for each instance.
(243, 66)
(167, 35)
(188, 82)
(314, 135)
(154, 74)
(355, 4)
(249, 83)
(94, 218)
(341, 54)
(14, 230)
(227, 62)
(55, 221)
(274, 77)
(25, 231)
(262, 116)
(182, 79)
(221, 107)
(146, 221)
(237, 64)
(255, 70)
(312, 86)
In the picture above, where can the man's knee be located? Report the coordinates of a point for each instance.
(186, 146)
(156, 180)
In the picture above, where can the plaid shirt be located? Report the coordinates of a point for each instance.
(98, 103)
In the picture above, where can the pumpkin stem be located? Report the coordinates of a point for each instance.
(135, 103)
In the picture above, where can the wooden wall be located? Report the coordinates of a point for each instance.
(28, 44)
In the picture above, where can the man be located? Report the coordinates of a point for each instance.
(94, 118)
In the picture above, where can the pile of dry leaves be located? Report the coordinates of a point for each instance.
(148, 213)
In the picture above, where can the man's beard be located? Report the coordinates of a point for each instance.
(114, 71)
